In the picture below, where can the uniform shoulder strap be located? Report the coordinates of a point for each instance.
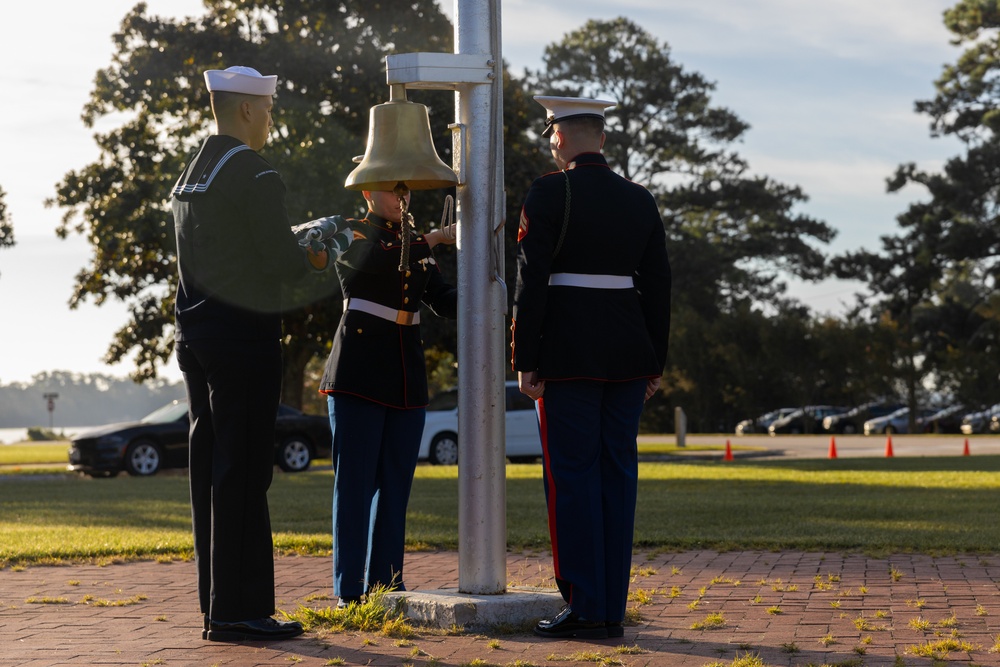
(565, 223)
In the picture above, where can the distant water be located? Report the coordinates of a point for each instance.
(11, 435)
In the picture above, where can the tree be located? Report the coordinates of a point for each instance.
(329, 60)
(6, 226)
(730, 234)
(962, 325)
(935, 280)
(665, 133)
(904, 277)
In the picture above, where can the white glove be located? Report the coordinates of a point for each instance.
(449, 232)
(319, 230)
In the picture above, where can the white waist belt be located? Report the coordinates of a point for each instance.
(403, 317)
(590, 280)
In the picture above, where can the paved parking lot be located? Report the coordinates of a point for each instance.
(850, 446)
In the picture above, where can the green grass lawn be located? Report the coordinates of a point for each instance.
(22, 453)
(879, 505)
(26, 453)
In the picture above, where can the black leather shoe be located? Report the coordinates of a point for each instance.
(258, 629)
(615, 629)
(347, 600)
(568, 623)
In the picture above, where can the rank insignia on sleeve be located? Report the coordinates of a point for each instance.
(522, 228)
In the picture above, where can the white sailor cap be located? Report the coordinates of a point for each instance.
(239, 79)
(564, 108)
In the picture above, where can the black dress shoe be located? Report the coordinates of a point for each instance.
(615, 629)
(568, 623)
(258, 629)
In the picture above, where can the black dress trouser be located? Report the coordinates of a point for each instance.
(233, 389)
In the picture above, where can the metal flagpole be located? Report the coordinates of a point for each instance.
(475, 73)
(482, 298)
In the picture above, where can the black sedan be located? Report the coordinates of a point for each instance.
(946, 420)
(160, 440)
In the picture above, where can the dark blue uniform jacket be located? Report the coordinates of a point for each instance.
(614, 229)
(372, 357)
(235, 246)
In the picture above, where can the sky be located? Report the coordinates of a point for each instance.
(827, 88)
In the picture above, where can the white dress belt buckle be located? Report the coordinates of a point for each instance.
(402, 317)
(591, 281)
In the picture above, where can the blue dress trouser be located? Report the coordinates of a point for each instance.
(588, 431)
(375, 451)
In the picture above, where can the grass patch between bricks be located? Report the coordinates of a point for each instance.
(374, 615)
(942, 648)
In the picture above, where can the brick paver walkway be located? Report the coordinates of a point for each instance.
(789, 608)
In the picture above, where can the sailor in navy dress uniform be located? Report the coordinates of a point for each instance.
(591, 322)
(376, 384)
(235, 248)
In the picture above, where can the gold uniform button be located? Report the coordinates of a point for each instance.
(407, 274)
(406, 285)
(359, 331)
(406, 300)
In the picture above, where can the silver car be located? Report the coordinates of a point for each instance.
(439, 444)
(760, 424)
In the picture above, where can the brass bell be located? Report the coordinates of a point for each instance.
(400, 151)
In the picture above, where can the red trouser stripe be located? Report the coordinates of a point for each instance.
(550, 485)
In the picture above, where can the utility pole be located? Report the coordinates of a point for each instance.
(51, 398)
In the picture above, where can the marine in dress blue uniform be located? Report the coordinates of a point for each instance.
(235, 249)
(591, 323)
(377, 385)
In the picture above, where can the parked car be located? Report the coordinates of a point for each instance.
(946, 420)
(439, 444)
(804, 420)
(979, 422)
(994, 424)
(897, 422)
(160, 440)
(853, 420)
(760, 424)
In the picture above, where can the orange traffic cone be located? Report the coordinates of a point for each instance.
(729, 452)
(833, 448)
(965, 451)
(888, 446)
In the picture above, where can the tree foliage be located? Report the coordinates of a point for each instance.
(329, 60)
(739, 345)
(84, 399)
(666, 134)
(934, 281)
(6, 226)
